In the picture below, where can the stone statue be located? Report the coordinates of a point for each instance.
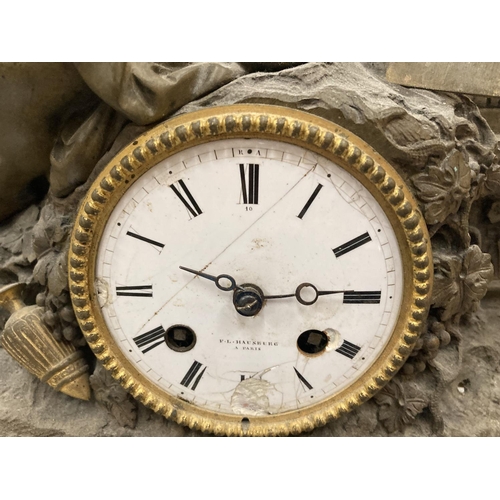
(438, 141)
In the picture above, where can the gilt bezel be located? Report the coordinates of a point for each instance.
(269, 122)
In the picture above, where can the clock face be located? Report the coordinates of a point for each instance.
(250, 270)
(274, 217)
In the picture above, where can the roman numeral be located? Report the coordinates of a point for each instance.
(352, 297)
(352, 244)
(147, 240)
(193, 208)
(191, 374)
(348, 349)
(139, 291)
(309, 201)
(302, 379)
(150, 339)
(250, 195)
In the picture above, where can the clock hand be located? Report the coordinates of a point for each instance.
(248, 298)
(233, 286)
(298, 296)
(215, 279)
(266, 297)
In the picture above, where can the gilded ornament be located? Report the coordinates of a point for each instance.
(27, 339)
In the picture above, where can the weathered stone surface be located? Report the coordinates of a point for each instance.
(481, 78)
(471, 403)
(112, 396)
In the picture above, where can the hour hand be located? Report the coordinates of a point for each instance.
(306, 293)
(219, 281)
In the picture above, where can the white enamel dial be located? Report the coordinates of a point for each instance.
(271, 215)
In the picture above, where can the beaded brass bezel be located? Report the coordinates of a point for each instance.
(270, 122)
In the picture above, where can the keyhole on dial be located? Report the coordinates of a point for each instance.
(312, 342)
(180, 338)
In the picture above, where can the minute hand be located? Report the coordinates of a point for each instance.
(216, 279)
(302, 300)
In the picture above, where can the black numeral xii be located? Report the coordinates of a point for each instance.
(250, 183)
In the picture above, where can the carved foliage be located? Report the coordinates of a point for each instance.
(397, 408)
(492, 181)
(50, 244)
(442, 188)
(110, 394)
(460, 281)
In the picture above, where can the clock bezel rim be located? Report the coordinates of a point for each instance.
(267, 122)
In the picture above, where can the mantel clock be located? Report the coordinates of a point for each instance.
(250, 270)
